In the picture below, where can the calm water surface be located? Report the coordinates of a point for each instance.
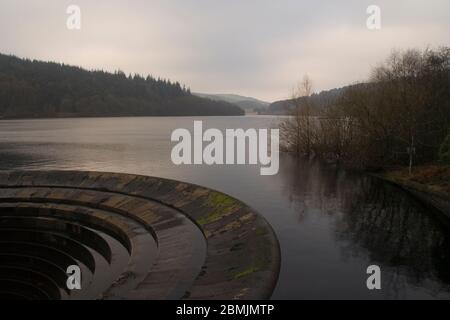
(331, 224)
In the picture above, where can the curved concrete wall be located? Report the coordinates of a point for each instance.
(208, 245)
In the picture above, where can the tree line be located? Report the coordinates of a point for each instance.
(400, 116)
(46, 89)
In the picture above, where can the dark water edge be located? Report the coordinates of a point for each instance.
(332, 224)
(370, 222)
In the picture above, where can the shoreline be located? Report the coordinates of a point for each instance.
(429, 194)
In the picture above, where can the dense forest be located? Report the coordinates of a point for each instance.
(399, 116)
(36, 89)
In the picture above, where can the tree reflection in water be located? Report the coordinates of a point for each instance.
(398, 232)
(410, 242)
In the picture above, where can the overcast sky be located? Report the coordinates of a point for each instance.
(256, 48)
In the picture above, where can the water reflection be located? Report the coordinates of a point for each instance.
(399, 233)
(331, 224)
(378, 222)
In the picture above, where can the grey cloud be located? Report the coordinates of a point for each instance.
(253, 47)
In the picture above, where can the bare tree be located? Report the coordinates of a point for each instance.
(297, 129)
(399, 117)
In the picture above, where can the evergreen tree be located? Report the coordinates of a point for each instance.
(45, 89)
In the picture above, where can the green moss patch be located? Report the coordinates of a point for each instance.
(220, 205)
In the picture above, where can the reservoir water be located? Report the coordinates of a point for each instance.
(331, 224)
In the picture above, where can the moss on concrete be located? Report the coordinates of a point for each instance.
(245, 272)
(220, 204)
(242, 257)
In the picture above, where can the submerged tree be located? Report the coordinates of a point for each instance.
(399, 117)
(297, 129)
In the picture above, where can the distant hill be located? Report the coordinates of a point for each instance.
(35, 89)
(319, 102)
(246, 103)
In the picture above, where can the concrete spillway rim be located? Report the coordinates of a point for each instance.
(237, 235)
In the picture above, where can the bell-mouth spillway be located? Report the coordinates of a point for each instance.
(133, 237)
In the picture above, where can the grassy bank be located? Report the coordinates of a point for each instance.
(430, 184)
(431, 178)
